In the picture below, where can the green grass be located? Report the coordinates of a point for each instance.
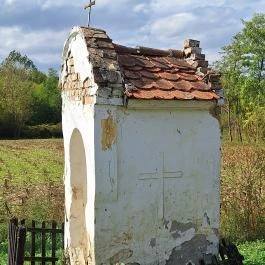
(31, 160)
(31, 181)
(3, 253)
(254, 252)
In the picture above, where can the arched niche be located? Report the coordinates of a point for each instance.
(78, 182)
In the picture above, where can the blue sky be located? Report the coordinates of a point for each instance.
(38, 28)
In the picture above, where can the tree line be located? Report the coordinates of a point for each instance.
(242, 68)
(28, 97)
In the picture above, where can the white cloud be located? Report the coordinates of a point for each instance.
(46, 58)
(153, 23)
(140, 8)
(42, 46)
(178, 6)
(177, 23)
(49, 4)
(9, 2)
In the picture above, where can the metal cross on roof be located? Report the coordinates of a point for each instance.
(89, 5)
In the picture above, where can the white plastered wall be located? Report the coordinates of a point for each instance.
(157, 185)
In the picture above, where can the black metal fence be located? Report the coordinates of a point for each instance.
(35, 244)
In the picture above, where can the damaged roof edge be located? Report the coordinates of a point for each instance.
(144, 73)
(146, 51)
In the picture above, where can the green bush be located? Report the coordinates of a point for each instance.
(7, 126)
(254, 252)
(42, 131)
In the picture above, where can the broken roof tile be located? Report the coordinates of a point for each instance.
(145, 62)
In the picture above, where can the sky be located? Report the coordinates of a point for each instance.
(39, 28)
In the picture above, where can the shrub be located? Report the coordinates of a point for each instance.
(254, 252)
(42, 131)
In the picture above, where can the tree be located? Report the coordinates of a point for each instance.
(47, 100)
(16, 90)
(243, 77)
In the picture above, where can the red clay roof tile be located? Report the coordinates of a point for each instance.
(161, 77)
(132, 74)
(187, 77)
(154, 69)
(203, 95)
(143, 61)
(169, 76)
(160, 63)
(199, 85)
(135, 68)
(164, 84)
(183, 85)
(126, 61)
(149, 74)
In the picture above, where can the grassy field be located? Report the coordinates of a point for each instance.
(31, 187)
(31, 180)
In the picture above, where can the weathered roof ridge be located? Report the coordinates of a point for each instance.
(148, 73)
(92, 29)
(146, 51)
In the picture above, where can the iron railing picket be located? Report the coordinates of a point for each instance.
(53, 236)
(17, 238)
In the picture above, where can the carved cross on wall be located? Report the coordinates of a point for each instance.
(161, 174)
(89, 5)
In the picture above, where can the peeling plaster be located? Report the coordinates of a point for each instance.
(191, 251)
(206, 220)
(153, 242)
(185, 236)
(177, 226)
(108, 133)
(77, 256)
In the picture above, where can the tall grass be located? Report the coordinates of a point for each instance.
(243, 192)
